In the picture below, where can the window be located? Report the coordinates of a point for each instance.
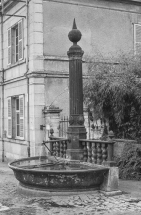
(16, 117)
(15, 43)
(137, 39)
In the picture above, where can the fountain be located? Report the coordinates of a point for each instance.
(67, 170)
(58, 176)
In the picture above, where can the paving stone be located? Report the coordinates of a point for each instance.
(76, 197)
(4, 208)
(139, 204)
(94, 204)
(71, 203)
(106, 203)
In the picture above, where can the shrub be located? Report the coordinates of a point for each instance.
(130, 163)
(113, 92)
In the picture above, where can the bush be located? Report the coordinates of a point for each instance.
(113, 92)
(130, 163)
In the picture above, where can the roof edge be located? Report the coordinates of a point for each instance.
(133, 2)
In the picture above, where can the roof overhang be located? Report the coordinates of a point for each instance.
(132, 2)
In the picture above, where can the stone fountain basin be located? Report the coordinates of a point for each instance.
(66, 175)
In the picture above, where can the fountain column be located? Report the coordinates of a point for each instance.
(76, 129)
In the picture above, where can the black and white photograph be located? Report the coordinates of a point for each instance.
(70, 107)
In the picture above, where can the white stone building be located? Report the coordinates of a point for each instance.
(22, 92)
(34, 62)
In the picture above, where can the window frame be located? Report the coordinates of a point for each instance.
(16, 44)
(13, 117)
(135, 38)
(17, 112)
(9, 118)
(12, 43)
(9, 46)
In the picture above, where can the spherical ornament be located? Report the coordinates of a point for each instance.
(111, 134)
(74, 35)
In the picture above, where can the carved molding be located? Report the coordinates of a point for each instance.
(76, 120)
(51, 109)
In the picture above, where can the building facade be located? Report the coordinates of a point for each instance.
(34, 62)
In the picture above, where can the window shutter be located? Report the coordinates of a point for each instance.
(21, 107)
(9, 134)
(9, 46)
(20, 32)
(137, 39)
(12, 46)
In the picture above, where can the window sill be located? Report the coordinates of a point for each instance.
(16, 141)
(16, 64)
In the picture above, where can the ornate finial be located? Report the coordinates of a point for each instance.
(74, 35)
(111, 134)
(74, 24)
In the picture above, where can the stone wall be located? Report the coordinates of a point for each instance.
(121, 145)
(107, 30)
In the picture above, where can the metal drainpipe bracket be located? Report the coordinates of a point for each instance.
(42, 126)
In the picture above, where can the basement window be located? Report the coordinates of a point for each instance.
(15, 43)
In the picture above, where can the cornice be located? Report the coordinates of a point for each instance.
(9, 4)
(51, 74)
(131, 2)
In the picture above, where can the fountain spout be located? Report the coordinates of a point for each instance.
(50, 151)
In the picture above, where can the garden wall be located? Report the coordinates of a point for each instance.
(121, 146)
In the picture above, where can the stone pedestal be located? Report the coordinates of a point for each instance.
(75, 150)
(52, 118)
(110, 185)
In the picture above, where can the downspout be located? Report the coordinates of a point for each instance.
(2, 76)
(27, 67)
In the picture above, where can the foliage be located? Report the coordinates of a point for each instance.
(113, 92)
(130, 164)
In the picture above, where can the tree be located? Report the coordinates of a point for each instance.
(113, 90)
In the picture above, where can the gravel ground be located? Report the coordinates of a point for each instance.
(14, 203)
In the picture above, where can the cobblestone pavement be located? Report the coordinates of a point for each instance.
(12, 203)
